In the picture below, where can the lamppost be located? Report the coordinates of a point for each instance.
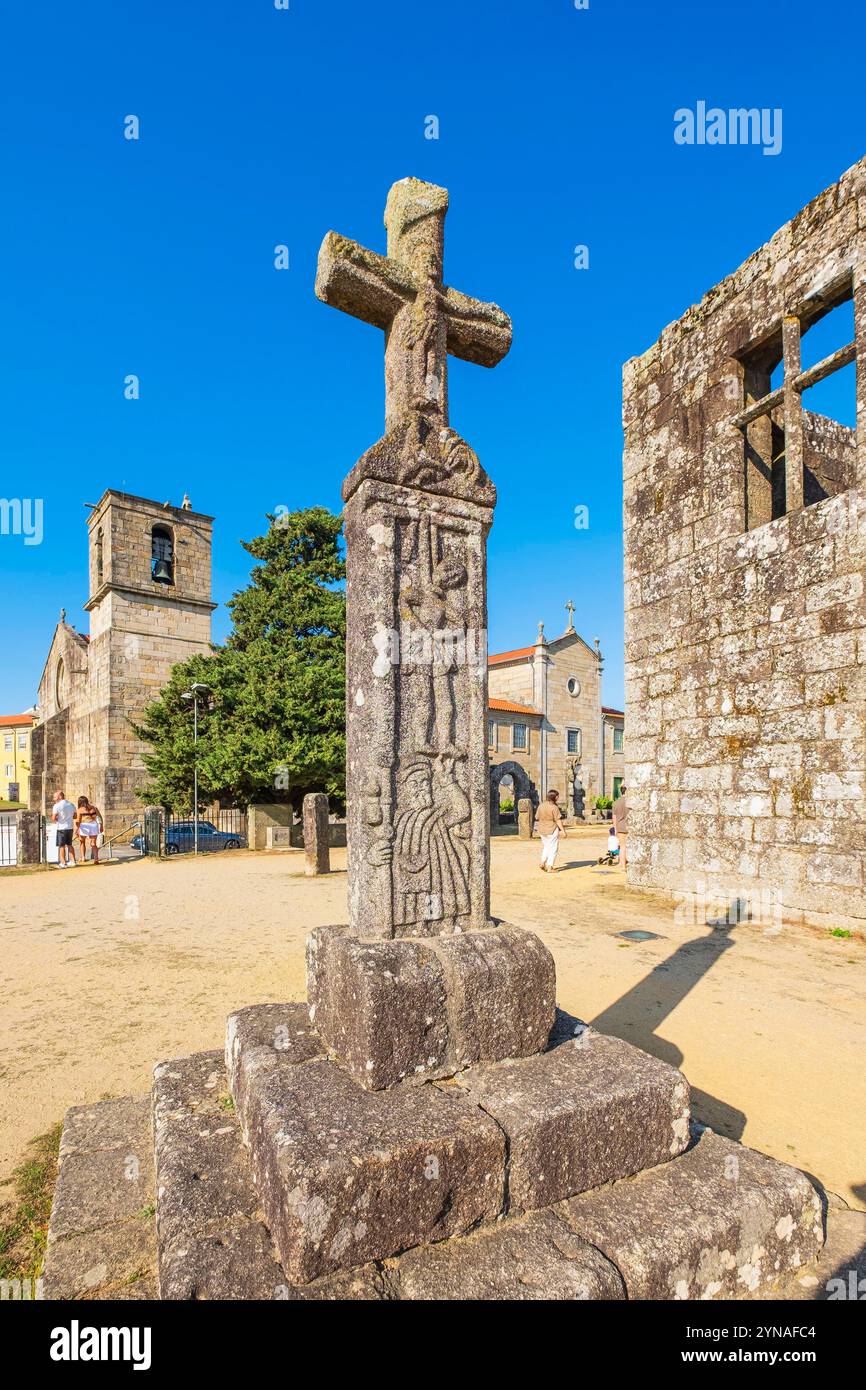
(198, 688)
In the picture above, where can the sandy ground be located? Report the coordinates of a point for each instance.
(105, 971)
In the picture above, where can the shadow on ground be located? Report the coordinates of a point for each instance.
(637, 1014)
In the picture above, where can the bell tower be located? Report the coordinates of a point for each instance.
(150, 607)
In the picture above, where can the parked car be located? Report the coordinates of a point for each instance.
(180, 838)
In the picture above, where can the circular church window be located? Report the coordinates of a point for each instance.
(572, 685)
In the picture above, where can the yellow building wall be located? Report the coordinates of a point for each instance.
(16, 758)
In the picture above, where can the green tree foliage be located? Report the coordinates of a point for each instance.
(274, 722)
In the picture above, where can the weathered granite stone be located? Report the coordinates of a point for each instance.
(100, 1186)
(745, 574)
(29, 841)
(366, 1284)
(379, 1005)
(589, 1111)
(109, 1124)
(418, 509)
(236, 1262)
(347, 1175)
(524, 818)
(421, 1008)
(722, 1221)
(210, 1236)
(537, 1257)
(317, 854)
(501, 993)
(91, 1263)
(284, 1027)
(101, 1236)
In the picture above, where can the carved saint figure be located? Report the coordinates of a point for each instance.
(431, 844)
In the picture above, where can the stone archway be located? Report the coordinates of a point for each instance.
(523, 786)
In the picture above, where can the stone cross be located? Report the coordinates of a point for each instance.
(403, 293)
(418, 509)
(569, 608)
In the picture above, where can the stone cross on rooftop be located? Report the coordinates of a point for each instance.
(418, 509)
(403, 294)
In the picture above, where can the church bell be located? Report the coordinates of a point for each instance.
(163, 572)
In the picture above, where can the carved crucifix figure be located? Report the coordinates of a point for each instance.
(403, 293)
(418, 509)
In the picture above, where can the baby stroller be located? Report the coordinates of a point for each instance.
(612, 855)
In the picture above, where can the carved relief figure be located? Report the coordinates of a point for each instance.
(433, 639)
(430, 853)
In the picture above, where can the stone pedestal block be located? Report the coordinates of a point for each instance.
(424, 1008)
(209, 1237)
(346, 1176)
(316, 846)
(589, 1111)
(524, 818)
(285, 1028)
(720, 1222)
(29, 837)
(537, 1258)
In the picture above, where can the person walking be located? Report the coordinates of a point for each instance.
(63, 816)
(89, 818)
(620, 823)
(550, 825)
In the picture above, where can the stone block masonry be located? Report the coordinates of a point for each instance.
(745, 561)
(421, 1008)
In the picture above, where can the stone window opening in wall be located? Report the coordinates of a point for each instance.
(491, 733)
(99, 559)
(795, 455)
(572, 738)
(7, 743)
(162, 555)
(519, 738)
(617, 739)
(60, 685)
(572, 685)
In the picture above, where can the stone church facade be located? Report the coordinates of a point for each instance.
(546, 721)
(745, 558)
(149, 606)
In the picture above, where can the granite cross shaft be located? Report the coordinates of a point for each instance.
(403, 294)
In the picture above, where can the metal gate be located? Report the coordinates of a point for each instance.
(8, 839)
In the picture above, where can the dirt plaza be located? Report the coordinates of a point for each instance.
(106, 971)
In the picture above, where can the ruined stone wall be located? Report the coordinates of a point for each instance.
(746, 648)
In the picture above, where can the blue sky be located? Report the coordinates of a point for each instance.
(262, 126)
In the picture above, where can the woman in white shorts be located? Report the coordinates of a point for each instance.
(89, 819)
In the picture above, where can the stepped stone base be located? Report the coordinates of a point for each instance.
(347, 1175)
(587, 1111)
(424, 1007)
(721, 1222)
(102, 1235)
(663, 1234)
